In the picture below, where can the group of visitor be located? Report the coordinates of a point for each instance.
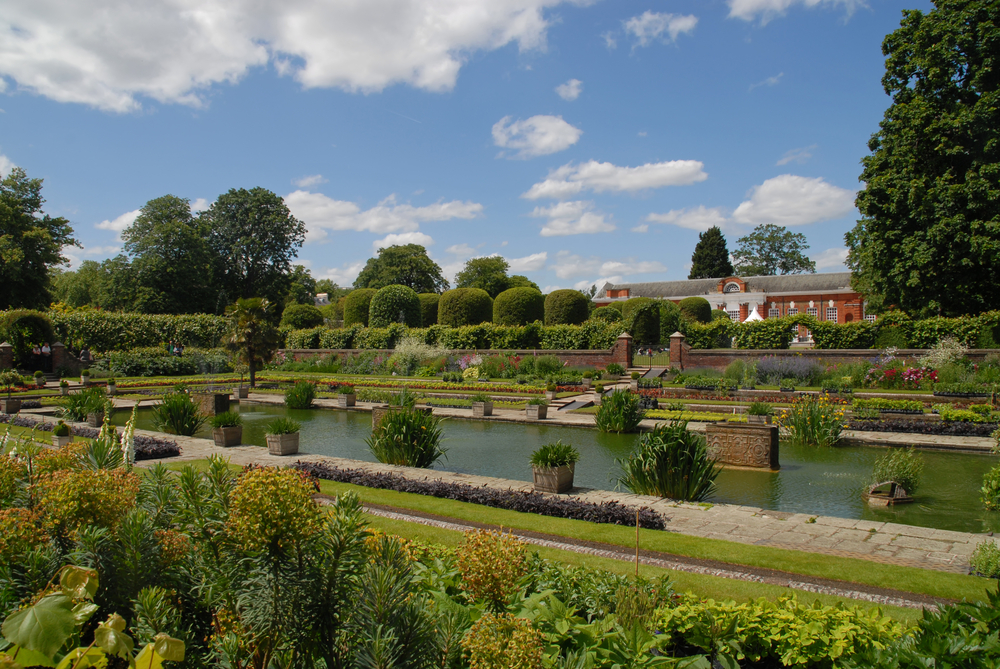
(175, 348)
(41, 358)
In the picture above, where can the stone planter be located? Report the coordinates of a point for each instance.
(112, 390)
(550, 394)
(344, 401)
(743, 445)
(759, 419)
(40, 383)
(10, 406)
(212, 404)
(85, 380)
(586, 383)
(536, 411)
(64, 390)
(597, 398)
(242, 392)
(633, 385)
(283, 444)
(553, 479)
(481, 409)
(59, 442)
(95, 419)
(228, 436)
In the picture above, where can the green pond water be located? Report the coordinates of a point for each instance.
(820, 481)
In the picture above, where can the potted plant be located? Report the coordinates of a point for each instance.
(64, 387)
(112, 388)
(241, 368)
(39, 378)
(537, 408)
(346, 397)
(9, 379)
(553, 466)
(282, 436)
(227, 429)
(759, 412)
(85, 376)
(633, 384)
(598, 393)
(482, 405)
(787, 386)
(588, 378)
(61, 434)
(550, 391)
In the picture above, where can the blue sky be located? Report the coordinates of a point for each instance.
(583, 141)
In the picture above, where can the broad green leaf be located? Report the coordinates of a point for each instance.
(78, 583)
(25, 658)
(110, 635)
(148, 658)
(83, 611)
(44, 627)
(170, 649)
(83, 658)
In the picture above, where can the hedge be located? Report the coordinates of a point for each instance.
(428, 308)
(670, 320)
(392, 303)
(642, 317)
(465, 306)
(301, 316)
(518, 306)
(116, 331)
(608, 314)
(566, 307)
(696, 309)
(156, 361)
(356, 306)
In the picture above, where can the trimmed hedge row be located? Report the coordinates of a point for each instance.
(115, 331)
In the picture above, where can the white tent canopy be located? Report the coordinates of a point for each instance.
(754, 316)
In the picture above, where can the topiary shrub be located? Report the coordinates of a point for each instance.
(890, 337)
(670, 320)
(606, 314)
(719, 314)
(356, 306)
(394, 304)
(518, 306)
(566, 307)
(301, 316)
(465, 306)
(642, 317)
(696, 309)
(428, 308)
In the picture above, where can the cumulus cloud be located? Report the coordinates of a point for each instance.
(6, 165)
(536, 136)
(765, 10)
(306, 182)
(570, 90)
(113, 53)
(800, 155)
(834, 259)
(344, 275)
(696, 218)
(641, 228)
(572, 218)
(532, 263)
(650, 26)
(201, 204)
(463, 250)
(402, 239)
(792, 200)
(119, 224)
(322, 214)
(75, 255)
(570, 180)
(570, 266)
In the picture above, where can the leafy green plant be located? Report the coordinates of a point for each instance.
(787, 383)
(551, 387)
(880, 404)
(227, 419)
(178, 414)
(989, 494)
(813, 423)
(670, 462)
(283, 426)
(557, 454)
(599, 388)
(588, 374)
(9, 379)
(903, 466)
(758, 409)
(404, 398)
(345, 390)
(635, 376)
(409, 438)
(614, 369)
(300, 396)
(537, 401)
(76, 406)
(619, 412)
(950, 415)
(481, 397)
(61, 429)
(985, 559)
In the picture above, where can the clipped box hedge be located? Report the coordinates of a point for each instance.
(116, 331)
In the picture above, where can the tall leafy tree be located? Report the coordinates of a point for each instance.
(77, 288)
(253, 338)
(489, 273)
(301, 287)
(521, 281)
(710, 259)
(254, 238)
(407, 265)
(771, 249)
(31, 242)
(929, 236)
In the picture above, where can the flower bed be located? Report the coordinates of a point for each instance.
(512, 500)
(955, 429)
(146, 448)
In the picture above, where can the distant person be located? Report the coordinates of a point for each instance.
(85, 355)
(46, 358)
(36, 358)
(178, 350)
(170, 347)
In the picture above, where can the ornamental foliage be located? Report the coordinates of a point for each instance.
(465, 306)
(518, 306)
(394, 304)
(429, 308)
(566, 307)
(357, 305)
(710, 259)
(696, 309)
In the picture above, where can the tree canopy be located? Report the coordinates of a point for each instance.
(772, 249)
(710, 259)
(407, 265)
(928, 240)
(489, 273)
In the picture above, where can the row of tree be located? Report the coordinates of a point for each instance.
(768, 250)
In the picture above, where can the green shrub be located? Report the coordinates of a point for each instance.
(985, 559)
(670, 320)
(227, 419)
(771, 333)
(696, 309)
(606, 314)
(759, 409)
(813, 423)
(157, 361)
(879, 403)
(518, 306)
(892, 337)
(301, 316)
(566, 307)
(465, 306)
(76, 406)
(989, 494)
(356, 306)
(619, 412)
(903, 466)
(345, 390)
(962, 416)
(642, 318)
(428, 309)
(394, 304)
(614, 369)
(408, 438)
(177, 414)
(547, 364)
(300, 396)
(555, 455)
(670, 462)
(122, 331)
(61, 429)
(282, 426)
(716, 334)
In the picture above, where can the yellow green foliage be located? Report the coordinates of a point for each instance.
(72, 499)
(20, 530)
(53, 460)
(272, 507)
(503, 642)
(491, 564)
(11, 470)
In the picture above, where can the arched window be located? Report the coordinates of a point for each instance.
(731, 287)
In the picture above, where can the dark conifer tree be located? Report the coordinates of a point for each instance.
(710, 259)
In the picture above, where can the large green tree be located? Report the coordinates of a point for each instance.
(710, 259)
(252, 336)
(77, 288)
(31, 242)
(301, 287)
(489, 273)
(929, 236)
(771, 249)
(407, 265)
(254, 238)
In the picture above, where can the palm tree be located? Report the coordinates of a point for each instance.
(252, 336)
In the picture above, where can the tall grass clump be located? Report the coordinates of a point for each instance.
(300, 396)
(813, 423)
(903, 466)
(670, 462)
(76, 406)
(619, 412)
(178, 414)
(408, 438)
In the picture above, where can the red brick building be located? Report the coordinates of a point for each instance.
(828, 297)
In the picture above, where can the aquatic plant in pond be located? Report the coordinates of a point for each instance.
(619, 412)
(178, 414)
(903, 466)
(670, 462)
(300, 396)
(408, 438)
(813, 422)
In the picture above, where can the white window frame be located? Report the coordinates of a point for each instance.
(871, 318)
(734, 315)
(831, 314)
(774, 312)
(793, 311)
(731, 287)
(812, 311)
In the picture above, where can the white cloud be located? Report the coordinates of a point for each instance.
(532, 263)
(641, 228)
(570, 180)
(76, 255)
(461, 250)
(201, 204)
(587, 283)
(343, 276)
(306, 182)
(834, 259)
(112, 53)
(6, 165)
(572, 218)
(748, 10)
(119, 224)
(570, 90)
(800, 155)
(609, 40)
(770, 81)
(699, 218)
(536, 136)
(569, 266)
(649, 26)
(322, 214)
(792, 200)
(402, 239)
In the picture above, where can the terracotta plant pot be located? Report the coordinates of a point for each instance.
(283, 444)
(59, 442)
(481, 409)
(536, 411)
(553, 479)
(228, 436)
(344, 401)
(95, 419)
(10, 406)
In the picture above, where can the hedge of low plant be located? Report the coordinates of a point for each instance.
(955, 429)
(881, 404)
(116, 331)
(157, 361)
(429, 308)
(146, 448)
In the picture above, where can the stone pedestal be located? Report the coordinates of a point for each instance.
(744, 445)
(213, 404)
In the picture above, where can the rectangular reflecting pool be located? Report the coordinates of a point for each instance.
(819, 481)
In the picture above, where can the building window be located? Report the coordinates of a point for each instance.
(774, 312)
(793, 311)
(731, 288)
(811, 311)
(831, 314)
(871, 318)
(734, 315)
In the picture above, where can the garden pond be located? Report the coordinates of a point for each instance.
(819, 481)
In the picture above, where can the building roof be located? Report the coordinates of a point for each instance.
(787, 283)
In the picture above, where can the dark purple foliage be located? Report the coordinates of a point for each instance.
(771, 369)
(146, 448)
(953, 429)
(512, 500)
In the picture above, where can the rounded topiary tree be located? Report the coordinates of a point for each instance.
(518, 306)
(696, 309)
(394, 304)
(356, 306)
(566, 307)
(301, 316)
(465, 306)
(429, 308)
(642, 317)
(606, 314)
(670, 320)
(616, 305)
